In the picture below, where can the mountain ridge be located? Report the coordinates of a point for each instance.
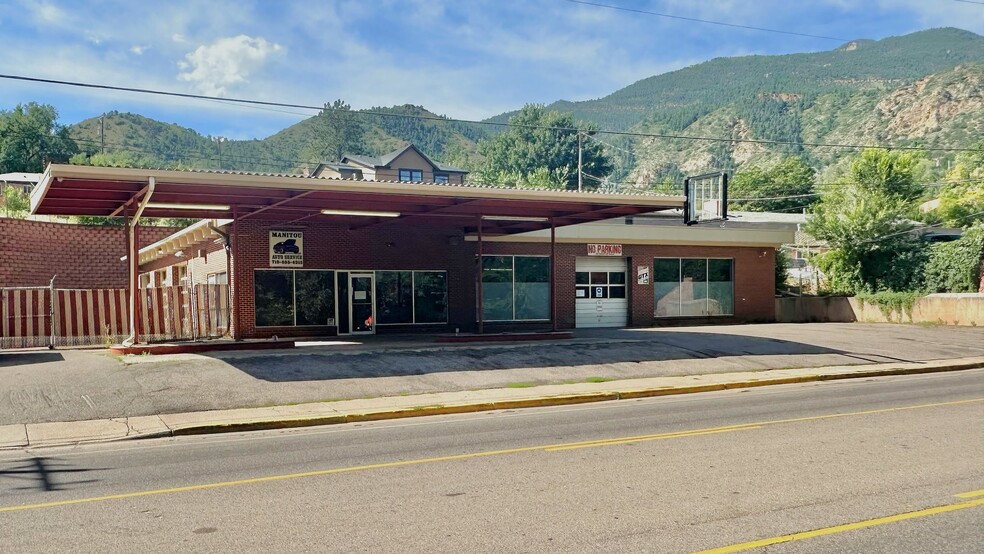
(919, 88)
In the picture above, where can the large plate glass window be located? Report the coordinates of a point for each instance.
(314, 295)
(693, 286)
(287, 298)
(273, 292)
(720, 287)
(407, 297)
(532, 288)
(666, 276)
(515, 288)
(430, 296)
(394, 297)
(497, 288)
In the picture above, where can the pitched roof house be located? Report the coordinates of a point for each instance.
(407, 164)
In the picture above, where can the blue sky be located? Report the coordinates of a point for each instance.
(467, 58)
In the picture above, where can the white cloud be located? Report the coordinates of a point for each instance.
(178, 37)
(50, 13)
(229, 61)
(138, 49)
(940, 14)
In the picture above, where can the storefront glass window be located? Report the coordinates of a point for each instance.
(532, 288)
(273, 292)
(515, 288)
(693, 286)
(315, 297)
(666, 276)
(430, 296)
(497, 288)
(720, 287)
(394, 297)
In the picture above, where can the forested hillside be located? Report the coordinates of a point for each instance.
(920, 89)
(306, 143)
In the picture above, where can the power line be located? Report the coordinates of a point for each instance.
(707, 21)
(890, 235)
(189, 154)
(247, 102)
(759, 198)
(596, 139)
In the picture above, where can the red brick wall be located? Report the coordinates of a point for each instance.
(754, 271)
(395, 246)
(328, 246)
(82, 256)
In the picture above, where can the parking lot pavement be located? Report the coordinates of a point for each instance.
(42, 386)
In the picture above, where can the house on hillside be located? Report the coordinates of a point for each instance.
(23, 181)
(406, 164)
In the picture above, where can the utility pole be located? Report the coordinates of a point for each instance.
(580, 174)
(102, 134)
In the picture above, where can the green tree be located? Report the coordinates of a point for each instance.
(542, 144)
(962, 198)
(115, 159)
(790, 177)
(124, 159)
(15, 202)
(890, 173)
(866, 222)
(337, 130)
(30, 139)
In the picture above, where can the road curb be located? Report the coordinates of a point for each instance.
(514, 404)
(548, 401)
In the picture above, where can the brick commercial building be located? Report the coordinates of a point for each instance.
(321, 256)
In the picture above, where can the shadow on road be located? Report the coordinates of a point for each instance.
(41, 474)
(12, 359)
(611, 347)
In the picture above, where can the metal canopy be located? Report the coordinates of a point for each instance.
(105, 191)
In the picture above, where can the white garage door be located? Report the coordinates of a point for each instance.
(602, 292)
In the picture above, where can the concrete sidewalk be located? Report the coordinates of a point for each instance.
(36, 435)
(67, 385)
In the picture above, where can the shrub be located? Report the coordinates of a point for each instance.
(955, 266)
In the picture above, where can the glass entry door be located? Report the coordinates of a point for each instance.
(361, 303)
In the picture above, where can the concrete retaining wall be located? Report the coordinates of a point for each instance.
(944, 309)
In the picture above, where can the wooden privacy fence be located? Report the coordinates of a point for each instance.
(184, 312)
(86, 317)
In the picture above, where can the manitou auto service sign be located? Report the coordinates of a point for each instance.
(604, 250)
(286, 249)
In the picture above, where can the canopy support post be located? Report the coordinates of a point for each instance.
(481, 267)
(133, 264)
(553, 276)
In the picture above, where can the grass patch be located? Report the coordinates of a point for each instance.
(521, 385)
(598, 379)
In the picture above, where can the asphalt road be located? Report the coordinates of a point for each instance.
(674, 474)
(74, 385)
